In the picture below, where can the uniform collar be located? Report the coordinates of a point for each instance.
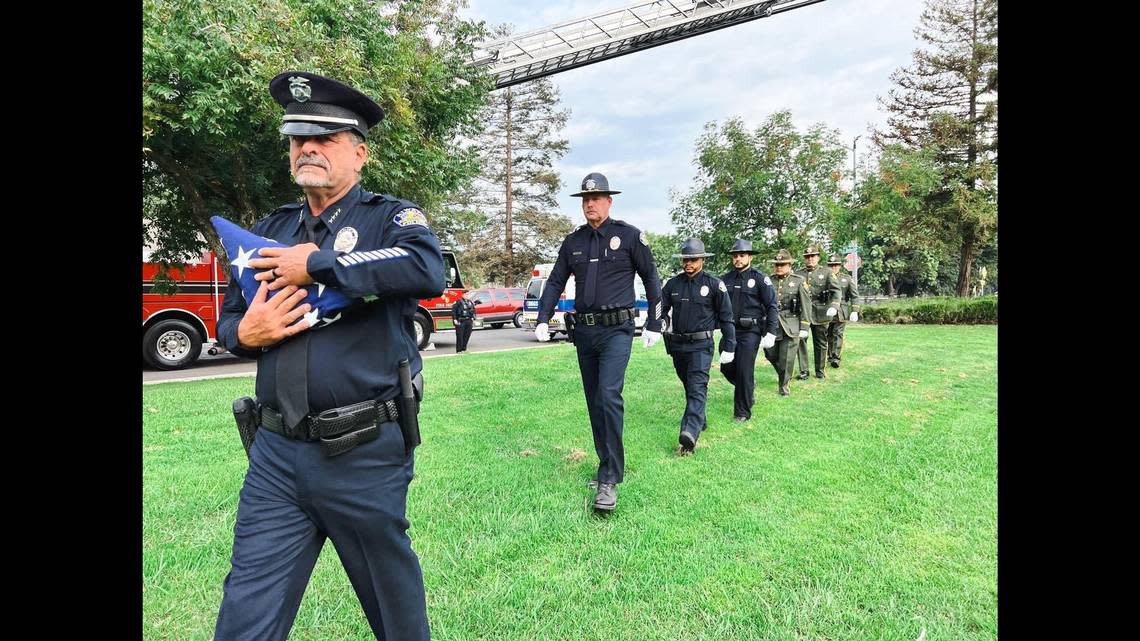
(335, 214)
(601, 228)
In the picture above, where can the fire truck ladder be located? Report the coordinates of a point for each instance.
(614, 33)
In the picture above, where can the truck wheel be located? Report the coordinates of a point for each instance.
(171, 344)
(518, 319)
(423, 330)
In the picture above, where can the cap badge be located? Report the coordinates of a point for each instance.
(589, 184)
(300, 89)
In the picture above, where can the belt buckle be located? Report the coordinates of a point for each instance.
(589, 318)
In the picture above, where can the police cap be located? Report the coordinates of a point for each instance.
(595, 183)
(835, 260)
(316, 106)
(692, 248)
(811, 250)
(782, 256)
(741, 247)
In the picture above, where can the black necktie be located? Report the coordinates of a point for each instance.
(736, 309)
(589, 294)
(293, 361)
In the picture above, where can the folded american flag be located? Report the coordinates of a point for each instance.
(242, 246)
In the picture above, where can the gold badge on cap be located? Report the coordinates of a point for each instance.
(298, 86)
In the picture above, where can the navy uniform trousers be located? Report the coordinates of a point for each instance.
(603, 354)
(693, 370)
(741, 372)
(462, 334)
(294, 497)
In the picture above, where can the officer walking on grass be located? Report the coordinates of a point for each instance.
(333, 455)
(699, 302)
(793, 301)
(754, 310)
(824, 292)
(847, 310)
(603, 255)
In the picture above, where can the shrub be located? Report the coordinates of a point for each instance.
(938, 310)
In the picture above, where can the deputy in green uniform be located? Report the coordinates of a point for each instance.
(794, 303)
(824, 291)
(848, 310)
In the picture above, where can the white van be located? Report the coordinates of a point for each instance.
(537, 285)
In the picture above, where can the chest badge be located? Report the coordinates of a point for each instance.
(751, 283)
(345, 239)
(615, 242)
(704, 290)
(820, 276)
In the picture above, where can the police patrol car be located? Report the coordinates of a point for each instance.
(537, 284)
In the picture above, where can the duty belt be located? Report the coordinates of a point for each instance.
(692, 337)
(339, 429)
(742, 325)
(612, 317)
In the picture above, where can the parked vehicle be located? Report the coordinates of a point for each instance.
(565, 303)
(498, 306)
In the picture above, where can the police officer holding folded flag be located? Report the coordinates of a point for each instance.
(699, 302)
(336, 405)
(755, 312)
(603, 255)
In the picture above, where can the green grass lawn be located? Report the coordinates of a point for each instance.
(863, 506)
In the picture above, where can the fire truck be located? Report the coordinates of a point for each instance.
(177, 326)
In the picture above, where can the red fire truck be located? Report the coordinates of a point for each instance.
(175, 327)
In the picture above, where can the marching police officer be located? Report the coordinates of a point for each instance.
(793, 300)
(331, 459)
(824, 290)
(603, 256)
(463, 315)
(699, 302)
(754, 310)
(847, 296)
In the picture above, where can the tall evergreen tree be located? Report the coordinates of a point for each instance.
(947, 101)
(516, 191)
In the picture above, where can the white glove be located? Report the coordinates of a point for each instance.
(650, 337)
(854, 317)
(726, 357)
(831, 311)
(542, 332)
(803, 333)
(769, 340)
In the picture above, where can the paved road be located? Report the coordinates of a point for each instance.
(482, 340)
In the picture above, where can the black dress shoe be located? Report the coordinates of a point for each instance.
(740, 419)
(784, 391)
(820, 374)
(802, 377)
(606, 498)
(687, 441)
(835, 364)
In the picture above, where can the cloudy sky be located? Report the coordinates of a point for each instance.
(636, 118)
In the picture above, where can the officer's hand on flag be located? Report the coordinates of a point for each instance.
(542, 332)
(285, 265)
(727, 357)
(831, 311)
(803, 333)
(271, 320)
(769, 340)
(854, 317)
(650, 337)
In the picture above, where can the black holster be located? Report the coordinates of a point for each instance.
(247, 417)
(569, 321)
(411, 392)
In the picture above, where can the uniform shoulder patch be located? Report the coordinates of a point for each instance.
(721, 287)
(644, 239)
(410, 216)
(767, 281)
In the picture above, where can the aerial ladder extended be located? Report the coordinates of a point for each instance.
(614, 33)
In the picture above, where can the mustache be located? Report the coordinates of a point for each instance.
(311, 160)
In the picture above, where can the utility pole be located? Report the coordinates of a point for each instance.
(853, 162)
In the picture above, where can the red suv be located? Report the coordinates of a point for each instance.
(498, 306)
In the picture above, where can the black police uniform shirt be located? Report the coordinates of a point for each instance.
(753, 296)
(374, 246)
(463, 309)
(699, 304)
(620, 249)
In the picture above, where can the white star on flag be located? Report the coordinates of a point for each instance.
(242, 261)
(311, 316)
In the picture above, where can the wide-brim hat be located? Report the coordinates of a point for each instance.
(317, 106)
(741, 246)
(782, 256)
(811, 250)
(692, 248)
(595, 183)
(834, 259)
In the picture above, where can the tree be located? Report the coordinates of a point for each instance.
(946, 101)
(775, 186)
(516, 191)
(210, 129)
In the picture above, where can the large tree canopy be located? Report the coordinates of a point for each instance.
(210, 129)
(775, 186)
